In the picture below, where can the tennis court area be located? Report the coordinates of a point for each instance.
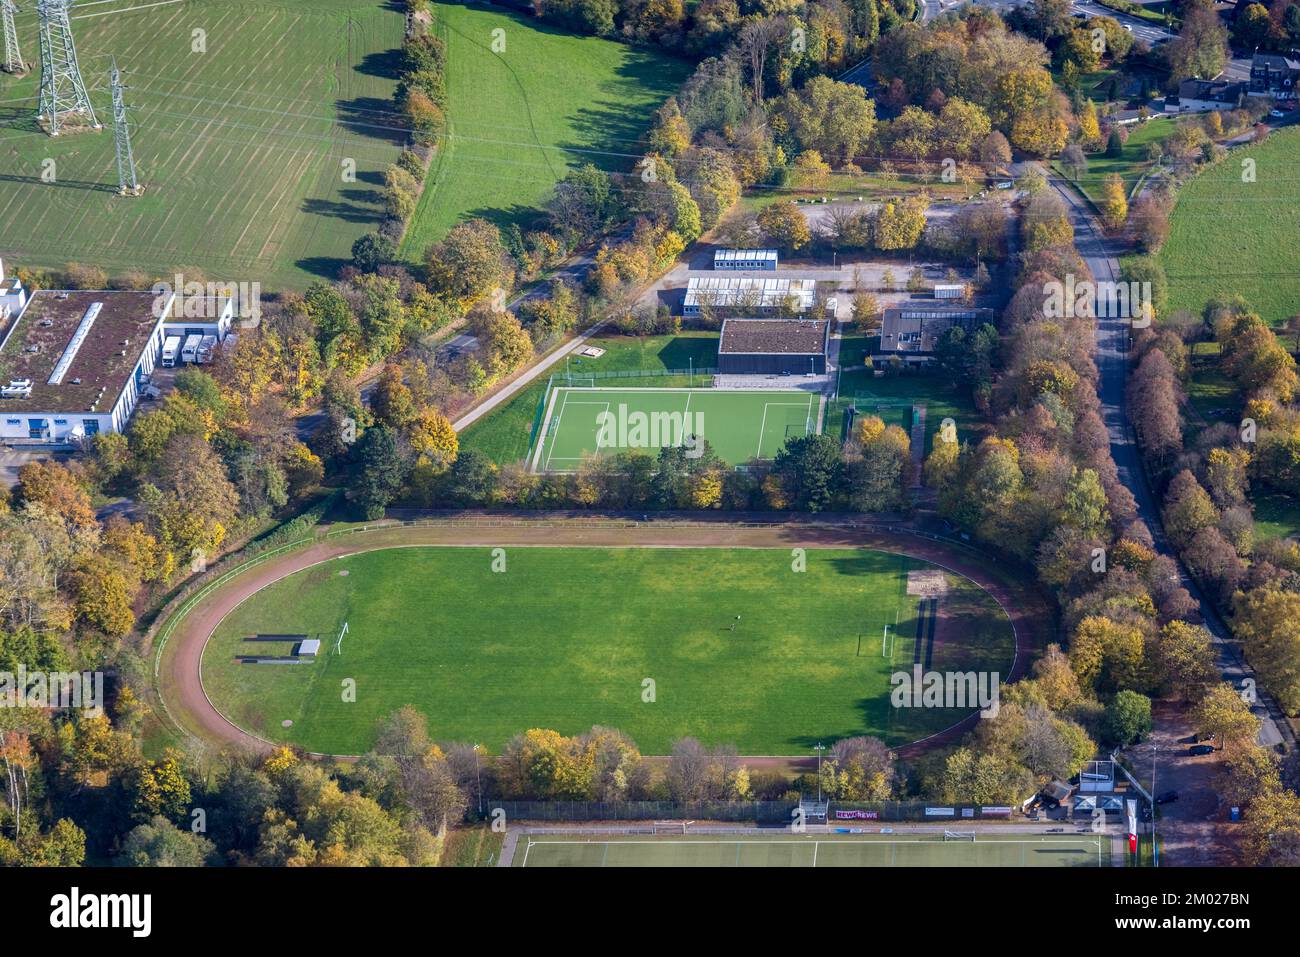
(815, 850)
(740, 425)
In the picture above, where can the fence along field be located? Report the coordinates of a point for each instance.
(241, 147)
(904, 849)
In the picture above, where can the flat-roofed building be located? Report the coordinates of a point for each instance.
(737, 259)
(754, 295)
(74, 363)
(773, 346)
(911, 332)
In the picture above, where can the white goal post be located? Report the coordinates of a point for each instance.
(338, 642)
(959, 836)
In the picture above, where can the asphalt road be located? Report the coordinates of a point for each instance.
(1112, 363)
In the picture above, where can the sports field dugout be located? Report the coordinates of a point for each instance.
(740, 425)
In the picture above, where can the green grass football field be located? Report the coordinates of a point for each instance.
(1233, 233)
(739, 425)
(907, 849)
(565, 638)
(242, 118)
(527, 102)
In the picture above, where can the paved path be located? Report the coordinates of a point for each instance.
(1113, 335)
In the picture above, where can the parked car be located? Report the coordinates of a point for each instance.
(1168, 797)
(1276, 114)
(1198, 749)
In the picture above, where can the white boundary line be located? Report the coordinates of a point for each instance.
(558, 420)
(541, 432)
(893, 845)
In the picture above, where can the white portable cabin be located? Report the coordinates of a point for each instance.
(728, 259)
(944, 290)
(171, 351)
(190, 351)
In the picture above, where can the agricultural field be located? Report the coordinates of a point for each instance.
(1233, 236)
(902, 849)
(503, 434)
(739, 648)
(241, 147)
(519, 119)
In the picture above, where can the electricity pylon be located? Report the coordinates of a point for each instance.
(127, 184)
(63, 92)
(13, 56)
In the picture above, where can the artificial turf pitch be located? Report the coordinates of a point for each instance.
(902, 849)
(741, 648)
(740, 426)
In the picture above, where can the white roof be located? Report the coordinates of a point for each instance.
(744, 255)
(749, 290)
(309, 646)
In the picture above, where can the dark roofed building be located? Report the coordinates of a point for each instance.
(1201, 96)
(73, 363)
(1273, 74)
(773, 346)
(911, 332)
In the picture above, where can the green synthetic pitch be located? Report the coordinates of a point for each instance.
(740, 426)
(565, 638)
(903, 849)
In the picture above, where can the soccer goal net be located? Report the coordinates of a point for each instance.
(959, 836)
(672, 827)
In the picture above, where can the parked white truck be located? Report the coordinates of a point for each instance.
(171, 351)
(190, 351)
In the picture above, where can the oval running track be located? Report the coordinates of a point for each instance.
(180, 686)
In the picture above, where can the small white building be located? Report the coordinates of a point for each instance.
(737, 259)
(12, 296)
(74, 363)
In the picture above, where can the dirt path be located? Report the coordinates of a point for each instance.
(181, 688)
